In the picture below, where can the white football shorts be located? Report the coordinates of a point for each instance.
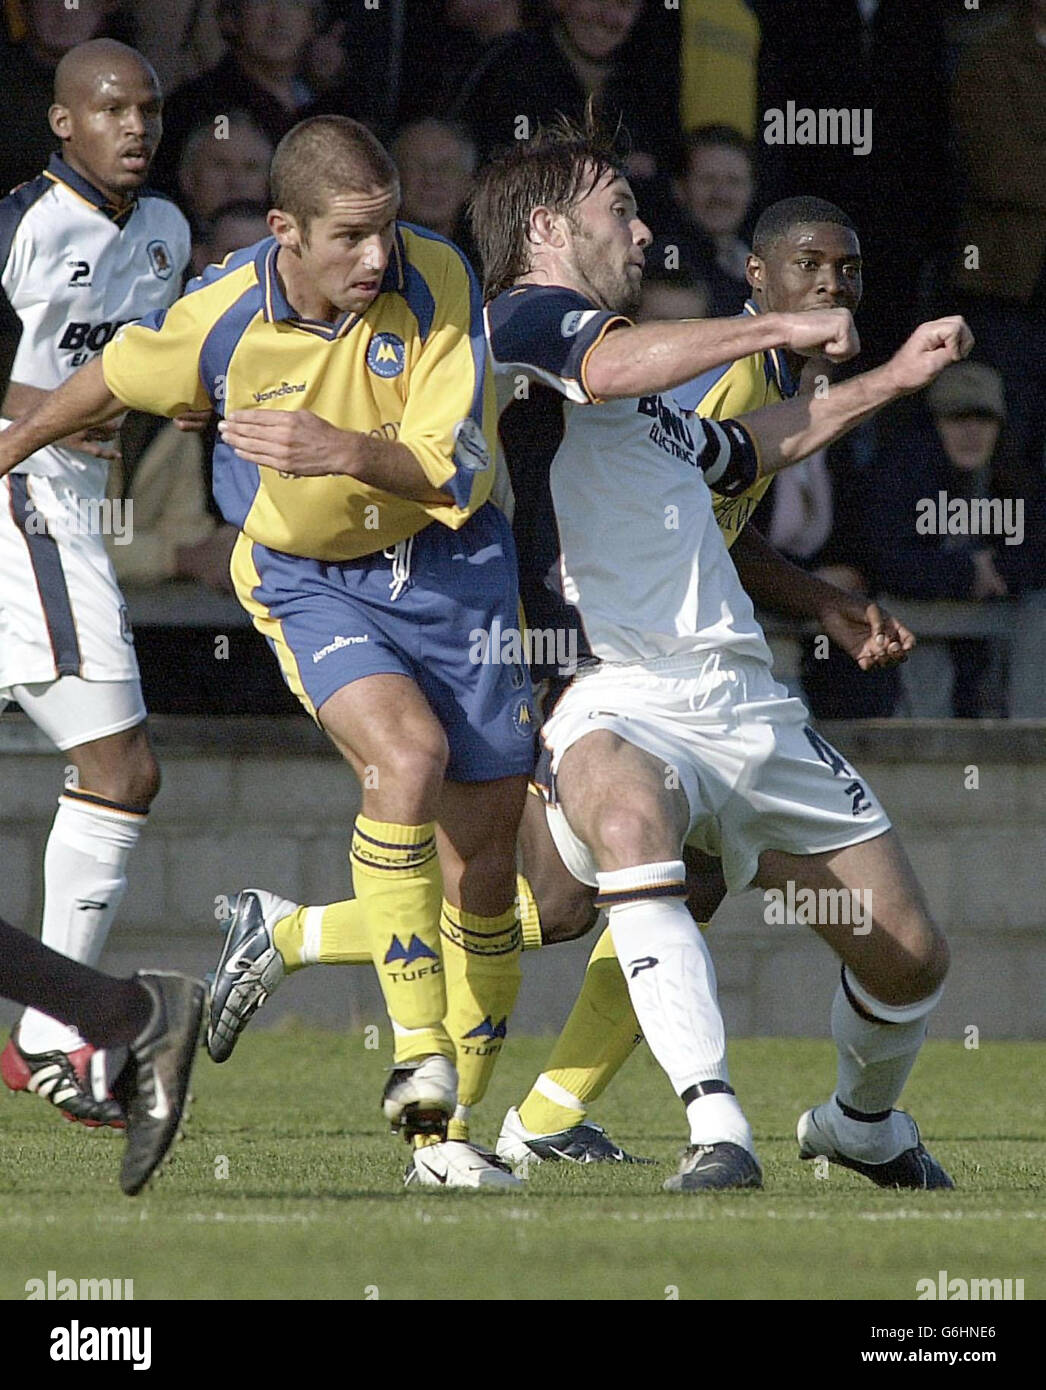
(62, 614)
(754, 773)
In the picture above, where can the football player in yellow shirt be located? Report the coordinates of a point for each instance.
(345, 354)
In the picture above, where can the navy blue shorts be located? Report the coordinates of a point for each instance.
(427, 617)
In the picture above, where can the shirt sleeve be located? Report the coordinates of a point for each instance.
(154, 364)
(549, 334)
(450, 418)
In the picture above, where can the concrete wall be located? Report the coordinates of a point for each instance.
(267, 803)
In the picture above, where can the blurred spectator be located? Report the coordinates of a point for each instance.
(935, 527)
(1000, 110)
(436, 162)
(266, 74)
(587, 50)
(171, 532)
(886, 57)
(718, 59)
(181, 38)
(666, 296)
(712, 197)
(233, 226)
(38, 36)
(213, 172)
(453, 46)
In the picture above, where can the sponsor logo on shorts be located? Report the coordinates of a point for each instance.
(337, 644)
(160, 259)
(285, 388)
(523, 718)
(386, 354)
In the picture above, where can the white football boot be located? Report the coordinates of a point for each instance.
(420, 1096)
(456, 1164)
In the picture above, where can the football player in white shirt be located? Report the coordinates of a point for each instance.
(679, 733)
(82, 251)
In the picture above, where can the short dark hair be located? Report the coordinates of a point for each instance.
(779, 219)
(324, 155)
(553, 169)
(706, 137)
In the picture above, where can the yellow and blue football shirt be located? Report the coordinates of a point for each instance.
(729, 392)
(412, 367)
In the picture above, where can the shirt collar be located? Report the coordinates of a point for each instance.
(277, 309)
(60, 172)
(774, 364)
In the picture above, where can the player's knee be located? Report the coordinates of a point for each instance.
(921, 970)
(417, 763)
(636, 833)
(133, 779)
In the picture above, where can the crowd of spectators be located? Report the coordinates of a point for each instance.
(949, 196)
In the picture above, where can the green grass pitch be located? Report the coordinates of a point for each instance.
(288, 1187)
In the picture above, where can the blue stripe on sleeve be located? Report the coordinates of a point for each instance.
(235, 481)
(460, 485)
(14, 207)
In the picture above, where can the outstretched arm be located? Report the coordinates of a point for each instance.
(646, 358)
(789, 432)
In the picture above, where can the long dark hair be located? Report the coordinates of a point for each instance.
(553, 169)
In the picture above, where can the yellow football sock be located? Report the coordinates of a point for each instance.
(398, 886)
(331, 934)
(481, 956)
(529, 920)
(597, 1039)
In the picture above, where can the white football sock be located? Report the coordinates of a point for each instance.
(875, 1057)
(671, 981)
(84, 882)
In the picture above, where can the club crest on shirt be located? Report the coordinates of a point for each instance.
(160, 259)
(386, 354)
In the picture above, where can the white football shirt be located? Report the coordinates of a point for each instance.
(74, 269)
(642, 556)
